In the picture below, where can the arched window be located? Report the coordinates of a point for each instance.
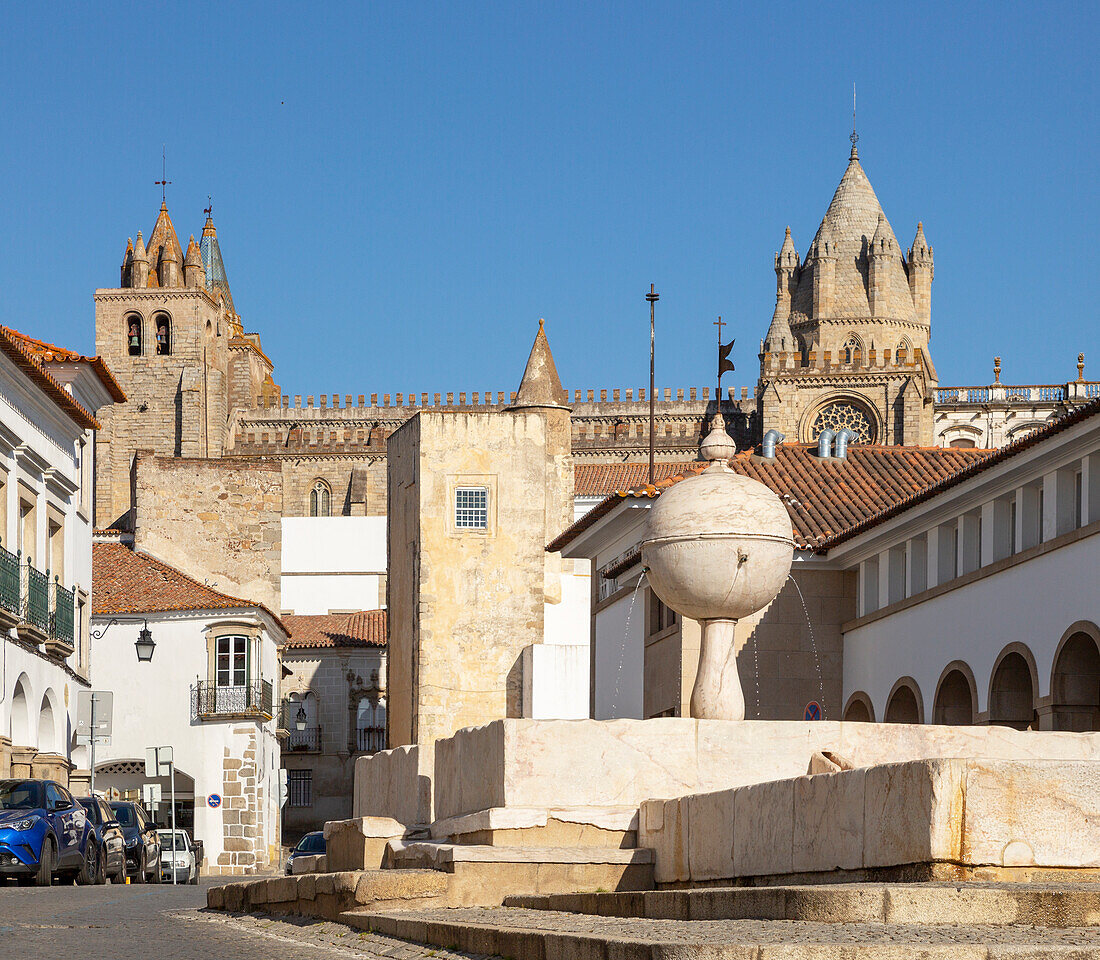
(320, 499)
(1076, 684)
(47, 727)
(133, 335)
(859, 709)
(370, 725)
(954, 703)
(904, 349)
(163, 326)
(903, 706)
(852, 351)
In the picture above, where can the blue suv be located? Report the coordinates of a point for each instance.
(43, 832)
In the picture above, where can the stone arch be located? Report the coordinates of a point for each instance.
(859, 708)
(904, 351)
(162, 331)
(905, 704)
(1075, 679)
(20, 724)
(842, 409)
(320, 498)
(956, 700)
(134, 332)
(48, 719)
(1013, 688)
(1023, 429)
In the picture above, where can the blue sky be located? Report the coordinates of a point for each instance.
(402, 189)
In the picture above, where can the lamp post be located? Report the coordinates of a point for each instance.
(144, 645)
(300, 719)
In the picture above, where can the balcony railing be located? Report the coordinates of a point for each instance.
(211, 701)
(308, 740)
(10, 594)
(61, 625)
(36, 600)
(370, 739)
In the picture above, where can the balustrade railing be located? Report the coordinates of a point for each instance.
(210, 701)
(61, 627)
(10, 594)
(36, 600)
(304, 741)
(370, 739)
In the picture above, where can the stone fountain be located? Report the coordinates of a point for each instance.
(718, 547)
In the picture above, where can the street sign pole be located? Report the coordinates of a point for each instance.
(172, 778)
(91, 747)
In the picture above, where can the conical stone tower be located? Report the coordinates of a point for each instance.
(848, 341)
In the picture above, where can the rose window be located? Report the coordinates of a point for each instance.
(839, 414)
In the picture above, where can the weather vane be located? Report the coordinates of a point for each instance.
(855, 136)
(725, 364)
(209, 211)
(163, 181)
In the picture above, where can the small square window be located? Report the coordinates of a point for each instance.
(299, 788)
(472, 508)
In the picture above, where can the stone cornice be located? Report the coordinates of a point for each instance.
(151, 294)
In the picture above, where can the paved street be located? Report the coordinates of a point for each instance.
(166, 923)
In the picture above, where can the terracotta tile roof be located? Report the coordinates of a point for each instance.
(11, 344)
(45, 352)
(364, 628)
(976, 466)
(126, 581)
(823, 497)
(601, 479)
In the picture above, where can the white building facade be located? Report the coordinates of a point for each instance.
(210, 691)
(48, 399)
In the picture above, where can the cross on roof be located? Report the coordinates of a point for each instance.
(162, 182)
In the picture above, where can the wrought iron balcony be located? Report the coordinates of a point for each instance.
(62, 615)
(308, 740)
(11, 607)
(209, 701)
(35, 612)
(370, 739)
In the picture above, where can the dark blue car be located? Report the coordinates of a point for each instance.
(45, 833)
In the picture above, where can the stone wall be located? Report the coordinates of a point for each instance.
(465, 602)
(590, 763)
(337, 678)
(216, 520)
(245, 847)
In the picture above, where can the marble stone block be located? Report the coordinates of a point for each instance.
(763, 824)
(828, 821)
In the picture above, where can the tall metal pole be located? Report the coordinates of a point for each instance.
(91, 744)
(652, 297)
(172, 777)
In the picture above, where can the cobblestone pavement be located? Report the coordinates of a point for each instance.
(731, 932)
(165, 923)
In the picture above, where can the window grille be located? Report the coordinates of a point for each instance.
(472, 508)
(299, 786)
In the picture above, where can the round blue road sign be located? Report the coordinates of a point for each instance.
(214, 800)
(813, 711)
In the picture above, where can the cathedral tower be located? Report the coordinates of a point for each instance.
(171, 338)
(848, 342)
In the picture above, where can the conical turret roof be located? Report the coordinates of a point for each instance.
(163, 243)
(852, 221)
(216, 279)
(540, 386)
(193, 255)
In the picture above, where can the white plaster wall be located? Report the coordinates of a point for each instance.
(620, 659)
(333, 563)
(558, 681)
(322, 593)
(152, 707)
(1032, 603)
(570, 620)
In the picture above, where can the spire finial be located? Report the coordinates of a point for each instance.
(163, 181)
(855, 136)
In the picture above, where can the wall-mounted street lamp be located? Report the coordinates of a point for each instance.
(300, 718)
(144, 644)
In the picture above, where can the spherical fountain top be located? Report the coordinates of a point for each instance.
(718, 545)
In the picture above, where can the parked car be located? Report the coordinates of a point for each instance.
(179, 855)
(112, 841)
(311, 845)
(45, 833)
(142, 842)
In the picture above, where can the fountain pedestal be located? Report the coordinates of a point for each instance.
(717, 694)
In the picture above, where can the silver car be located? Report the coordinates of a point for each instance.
(178, 856)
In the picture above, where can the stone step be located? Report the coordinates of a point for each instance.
(330, 894)
(1050, 905)
(521, 934)
(484, 875)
